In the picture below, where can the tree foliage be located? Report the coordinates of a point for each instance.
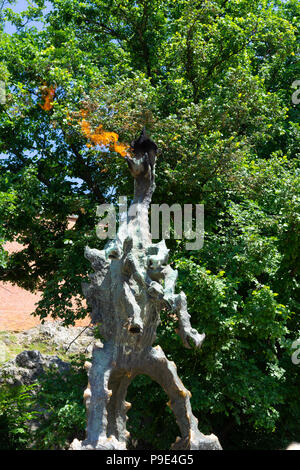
(211, 80)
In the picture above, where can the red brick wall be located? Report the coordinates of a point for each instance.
(17, 304)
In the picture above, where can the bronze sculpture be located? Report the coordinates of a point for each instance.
(131, 284)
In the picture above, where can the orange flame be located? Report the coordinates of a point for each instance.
(102, 137)
(120, 148)
(48, 96)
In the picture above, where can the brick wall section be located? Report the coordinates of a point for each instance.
(17, 304)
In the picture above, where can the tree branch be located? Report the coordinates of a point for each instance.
(84, 172)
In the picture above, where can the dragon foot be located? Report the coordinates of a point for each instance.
(104, 443)
(197, 441)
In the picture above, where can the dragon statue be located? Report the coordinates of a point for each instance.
(131, 284)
